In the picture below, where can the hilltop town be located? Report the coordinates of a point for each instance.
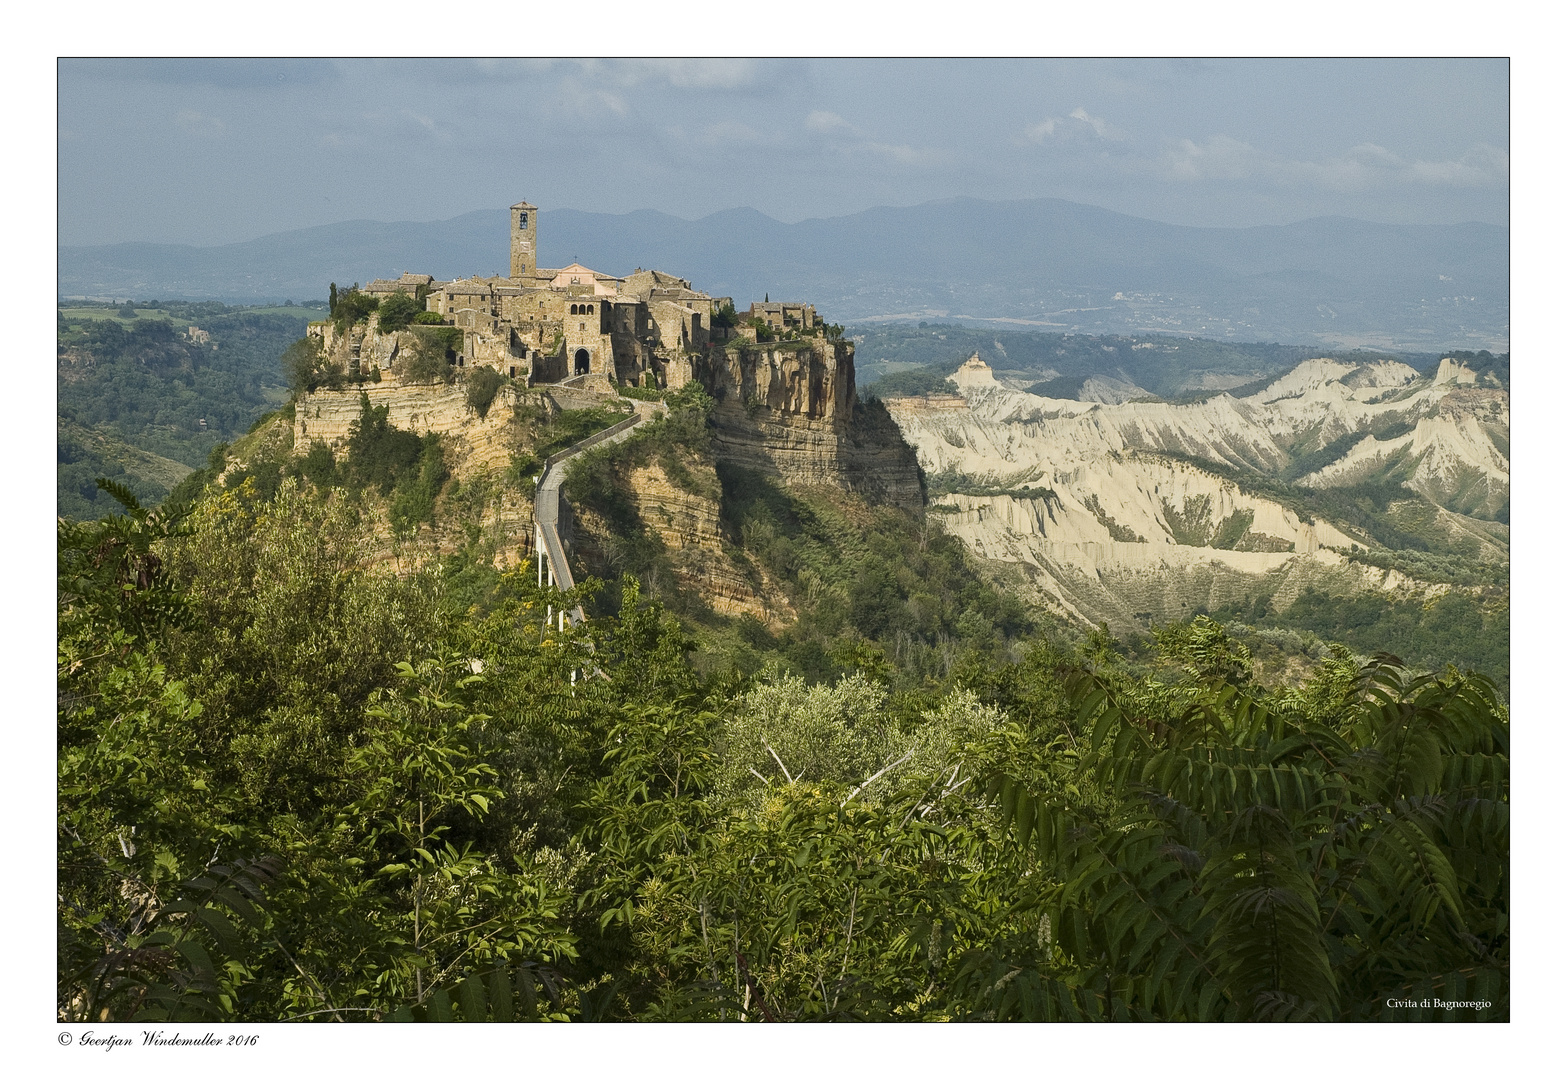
(493, 365)
(577, 326)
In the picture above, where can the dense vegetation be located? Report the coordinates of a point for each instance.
(142, 402)
(292, 787)
(1470, 632)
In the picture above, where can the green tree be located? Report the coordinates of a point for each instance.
(1208, 855)
(397, 311)
(480, 387)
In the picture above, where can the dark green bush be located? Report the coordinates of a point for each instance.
(397, 311)
(352, 307)
(428, 360)
(378, 453)
(318, 466)
(418, 487)
(308, 368)
(482, 384)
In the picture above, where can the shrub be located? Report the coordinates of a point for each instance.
(483, 383)
(426, 360)
(418, 487)
(397, 311)
(378, 453)
(307, 367)
(318, 466)
(352, 307)
(428, 318)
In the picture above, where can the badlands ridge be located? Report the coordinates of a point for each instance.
(1110, 511)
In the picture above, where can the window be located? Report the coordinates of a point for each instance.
(522, 220)
(590, 309)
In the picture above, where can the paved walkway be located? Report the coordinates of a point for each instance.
(546, 501)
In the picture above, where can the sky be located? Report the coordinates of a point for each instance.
(216, 151)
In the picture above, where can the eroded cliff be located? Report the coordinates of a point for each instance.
(1108, 511)
(789, 409)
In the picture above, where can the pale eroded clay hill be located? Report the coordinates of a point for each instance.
(1109, 511)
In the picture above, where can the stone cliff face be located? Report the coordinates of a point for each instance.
(476, 447)
(790, 410)
(480, 442)
(685, 524)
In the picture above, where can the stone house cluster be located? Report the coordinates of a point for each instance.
(576, 325)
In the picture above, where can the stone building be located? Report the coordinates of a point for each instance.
(408, 283)
(785, 316)
(575, 324)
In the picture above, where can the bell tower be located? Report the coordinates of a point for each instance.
(524, 240)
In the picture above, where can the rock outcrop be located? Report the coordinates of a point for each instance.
(479, 442)
(685, 524)
(790, 409)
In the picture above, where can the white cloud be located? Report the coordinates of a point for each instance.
(1059, 127)
(1366, 165)
(850, 140)
(1101, 129)
(1041, 131)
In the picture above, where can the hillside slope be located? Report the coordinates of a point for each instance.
(1140, 512)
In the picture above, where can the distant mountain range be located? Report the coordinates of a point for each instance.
(1040, 263)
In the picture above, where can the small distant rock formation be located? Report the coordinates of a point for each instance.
(974, 374)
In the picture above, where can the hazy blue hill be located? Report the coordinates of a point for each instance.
(1062, 265)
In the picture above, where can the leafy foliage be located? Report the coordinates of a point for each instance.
(378, 453)
(432, 357)
(350, 306)
(1207, 855)
(309, 368)
(293, 786)
(397, 311)
(874, 576)
(480, 387)
(149, 387)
